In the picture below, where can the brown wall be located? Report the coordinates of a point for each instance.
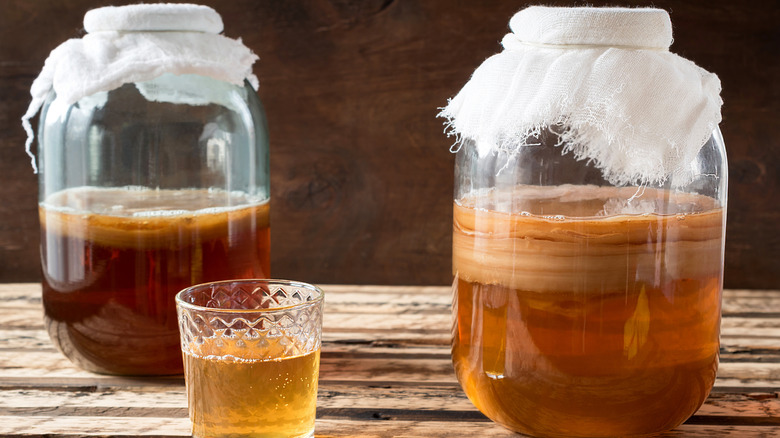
(361, 173)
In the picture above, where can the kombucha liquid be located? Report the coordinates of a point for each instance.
(229, 396)
(585, 324)
(113, 260)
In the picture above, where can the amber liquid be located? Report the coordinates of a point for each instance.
(113, 260)
(587, 325)
(252, 398)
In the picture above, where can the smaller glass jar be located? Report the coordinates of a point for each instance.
(145, 189)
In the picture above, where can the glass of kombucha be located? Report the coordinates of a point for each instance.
(583, 308)
(251, 357)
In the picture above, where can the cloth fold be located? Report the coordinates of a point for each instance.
(154, 17)
(136, 43)
(604, 81)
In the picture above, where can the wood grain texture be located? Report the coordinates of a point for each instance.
(370, 385)
(361, 173)
(445, 400)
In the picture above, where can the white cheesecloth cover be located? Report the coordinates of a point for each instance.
(137, 43)
(601, 78)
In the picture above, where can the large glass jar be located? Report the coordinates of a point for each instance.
(144, 190)
(584, 308)
(589, 220)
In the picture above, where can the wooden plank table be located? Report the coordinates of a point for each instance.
(385, 372)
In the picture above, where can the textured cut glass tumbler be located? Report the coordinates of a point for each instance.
(251, 357)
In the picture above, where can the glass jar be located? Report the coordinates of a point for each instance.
(584, 308)
(144, 190)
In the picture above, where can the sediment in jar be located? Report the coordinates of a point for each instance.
(130, 217)
(113, 260)
(586, 311)
(566, 239)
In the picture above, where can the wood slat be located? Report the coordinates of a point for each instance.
(118, 427)
(424, 317)
(51, 364)
(172, 401)
(358, 371)
(412, 299)
(733, 349)
(56, 426)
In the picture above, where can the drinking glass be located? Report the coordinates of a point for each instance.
(251, 357)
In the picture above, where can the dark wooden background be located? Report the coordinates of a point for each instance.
(361, 173)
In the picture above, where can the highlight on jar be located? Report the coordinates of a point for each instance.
(588, 227)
